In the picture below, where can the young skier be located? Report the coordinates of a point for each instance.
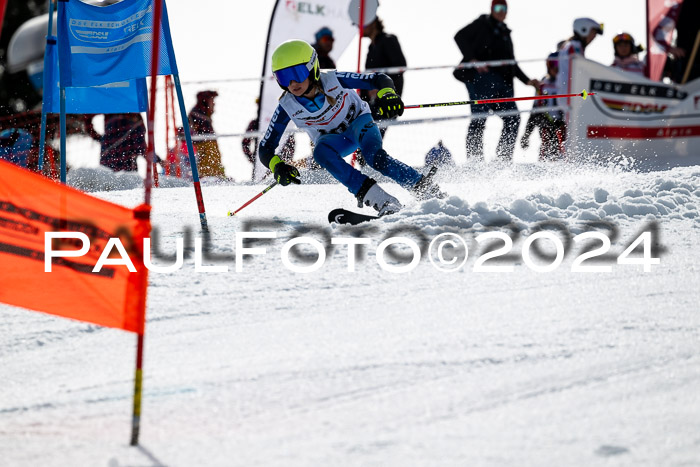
(626, 51)
(551, 123)
(585, 30)
(326, 105)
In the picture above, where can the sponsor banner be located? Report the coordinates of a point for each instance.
(643, 133)
(634, 107)
(114, 98)
(99, 45)
(293, 19)
(637, 89)
(632, 116)
(32, 210)
(122, 97)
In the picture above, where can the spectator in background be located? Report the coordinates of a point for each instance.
(439, 156)
(626, 54)
(206, 147)
(82, 124)
(687, 30)
(323, 46)
(177, 163)
(123, 141)
(683, 17)
(384, 52)
(551, 123)
(250, 143)
(585, 30)
(488, 38)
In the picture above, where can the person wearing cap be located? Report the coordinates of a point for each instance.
(585, 30)
(206, 147)
(626, 57)
(488, 38)
(323, 46)
(551, 123)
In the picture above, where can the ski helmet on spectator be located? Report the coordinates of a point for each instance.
(582, 26)
(553, 60)
(627, 37)
(295, 60)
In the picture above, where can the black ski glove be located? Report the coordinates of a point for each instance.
(389, 103)
(284, 173)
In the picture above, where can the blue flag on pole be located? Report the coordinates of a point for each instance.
(99, 45)
(113, 98)
(121, 97)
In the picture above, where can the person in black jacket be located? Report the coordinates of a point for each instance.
(384, 52)
(486, 39)
(687, 29)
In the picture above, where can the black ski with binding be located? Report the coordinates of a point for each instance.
(343, 216)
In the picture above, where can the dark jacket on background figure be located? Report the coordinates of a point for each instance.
(385, 52)
(483, 40)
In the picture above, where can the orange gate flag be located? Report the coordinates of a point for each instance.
(30, 206)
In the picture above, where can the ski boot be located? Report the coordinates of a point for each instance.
(371, 194)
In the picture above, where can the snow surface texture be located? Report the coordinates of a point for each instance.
(271, 367)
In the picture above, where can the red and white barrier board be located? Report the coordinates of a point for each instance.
(653, 124)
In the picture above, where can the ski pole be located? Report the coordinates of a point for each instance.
(269, 187)
(583, 94)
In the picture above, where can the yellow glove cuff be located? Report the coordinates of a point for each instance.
(273, 162)
(385, 91)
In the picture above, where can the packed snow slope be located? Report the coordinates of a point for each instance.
(369, 367)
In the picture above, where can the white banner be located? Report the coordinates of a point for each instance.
(655, 124)
(293, 19)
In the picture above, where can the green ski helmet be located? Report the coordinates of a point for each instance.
(295, 60)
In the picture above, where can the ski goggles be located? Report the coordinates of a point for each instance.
(500, 8)
(623, 37)
(296, 73)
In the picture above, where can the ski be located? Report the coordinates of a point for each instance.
(343, 216)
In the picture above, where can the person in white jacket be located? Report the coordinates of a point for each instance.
(585, 30)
